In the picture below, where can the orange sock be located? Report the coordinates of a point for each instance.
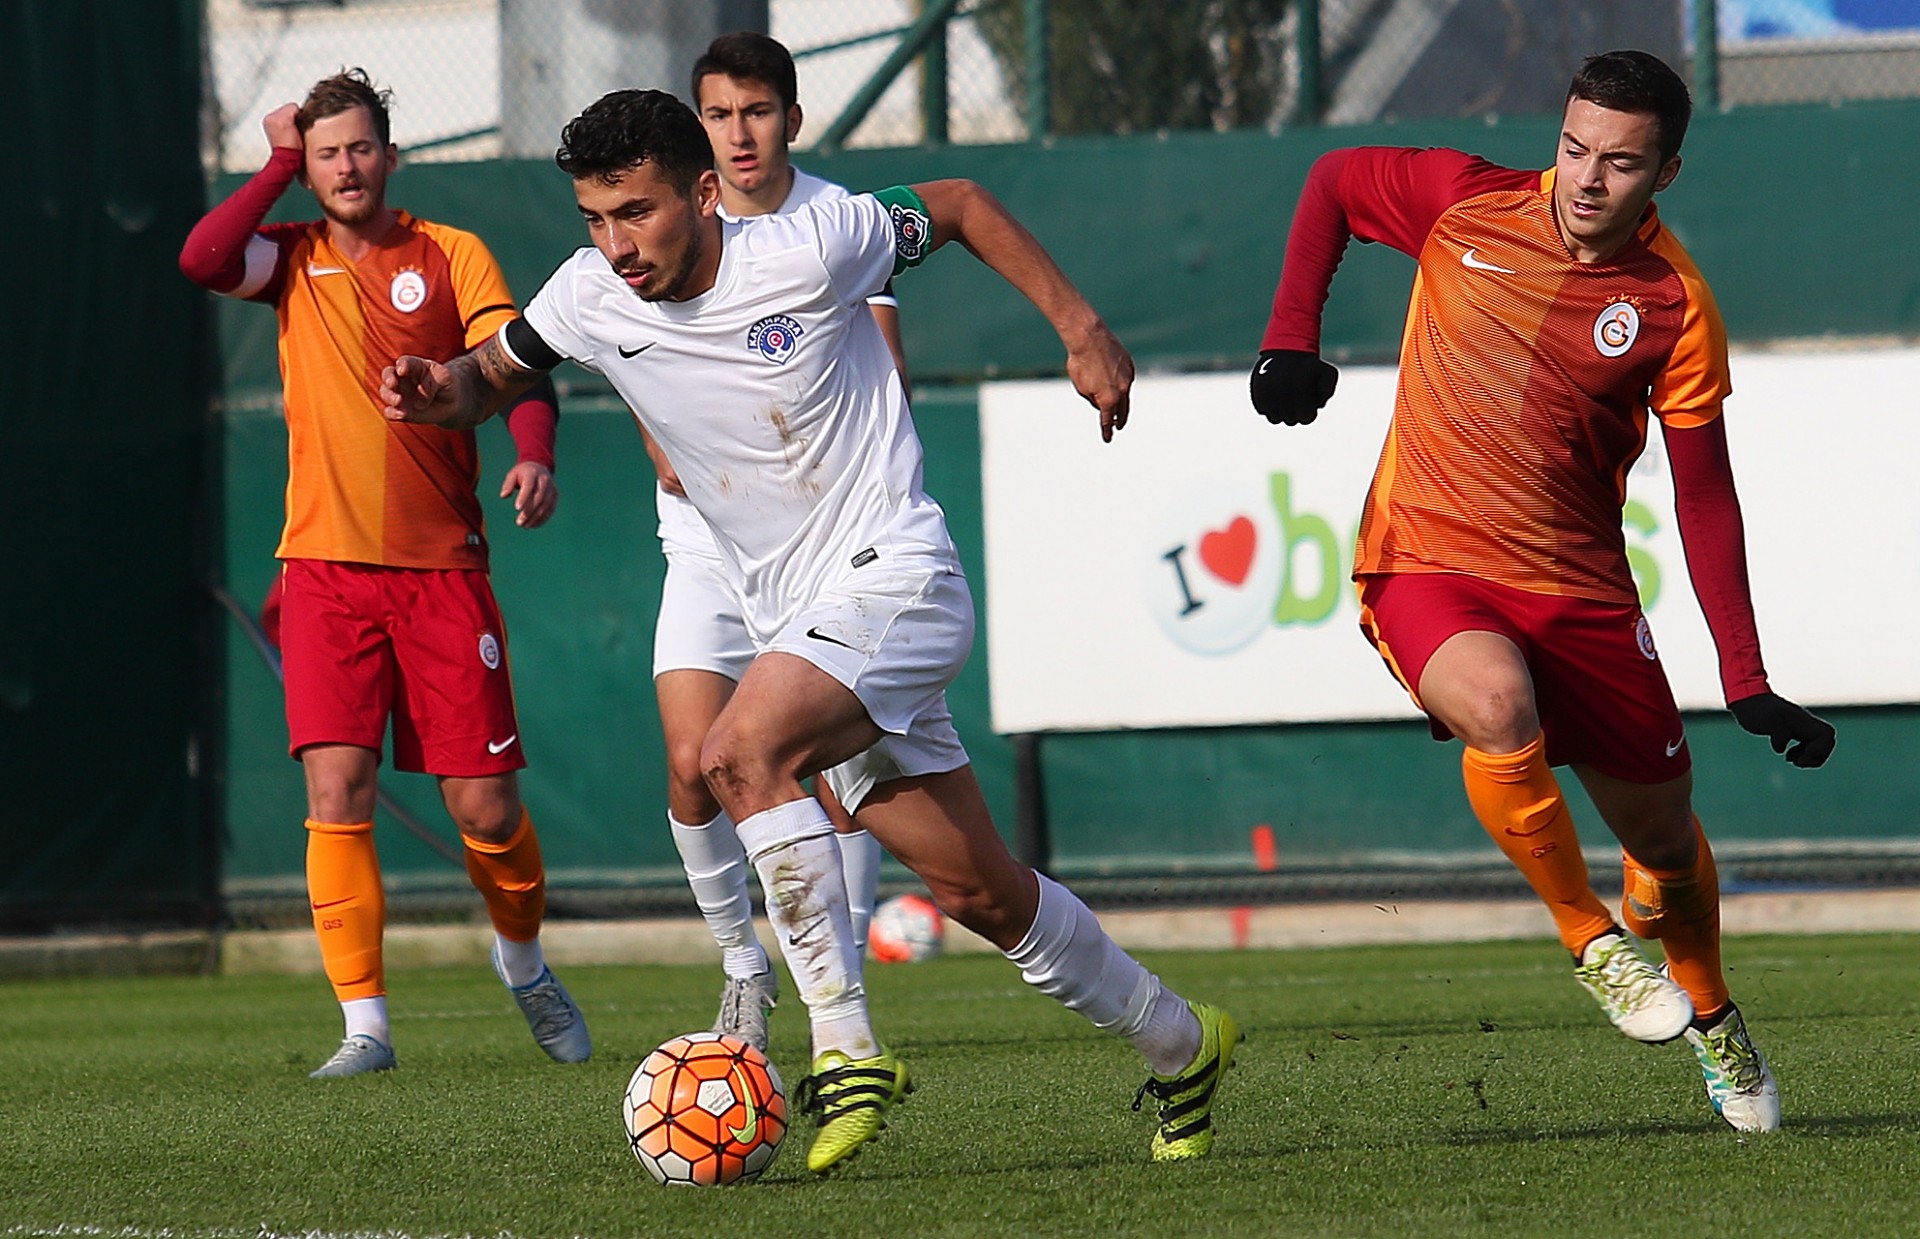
(510, 877)
(1520, 804)
(1681, 907)
(349, 906)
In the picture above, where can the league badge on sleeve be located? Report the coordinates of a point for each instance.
(912, 226)
(775, 337)
(912, 232)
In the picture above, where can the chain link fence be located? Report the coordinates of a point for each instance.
(481, 79)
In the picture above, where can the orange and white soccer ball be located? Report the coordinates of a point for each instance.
(906, 929)
(705, 1110)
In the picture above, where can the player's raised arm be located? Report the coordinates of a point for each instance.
(461, 393)
(224, 253)
(1097, 363)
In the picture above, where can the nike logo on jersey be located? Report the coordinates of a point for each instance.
(817, 635)
(1675, 746)
(635, 352)
(1468, 259)
(315, 269)
(499, 747)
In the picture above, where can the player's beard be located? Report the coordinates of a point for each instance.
(668, 283)
(372, 202)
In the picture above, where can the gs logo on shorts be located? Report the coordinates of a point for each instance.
(775, 337)
(912, 233)
(490, 651)
(1643, 637)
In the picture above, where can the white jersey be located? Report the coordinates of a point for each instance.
(682, 532)
(774, 395)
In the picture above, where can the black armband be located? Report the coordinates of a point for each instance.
(526, 348)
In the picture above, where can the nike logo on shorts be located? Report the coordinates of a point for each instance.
(817, 635)
(1675, 746)
(500, 746)
(635, 352)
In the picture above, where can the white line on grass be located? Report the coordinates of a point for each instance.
(71, 1230)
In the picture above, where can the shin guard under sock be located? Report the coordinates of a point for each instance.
(1520, 804)
(1681, 908)
(349, 906)
(511, 878)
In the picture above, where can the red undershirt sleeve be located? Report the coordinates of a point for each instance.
(1714, 536)
(215, 253)
(1387, 194)
(534, 422)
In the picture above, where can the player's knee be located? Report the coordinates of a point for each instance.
(977, 907)
(341, 797)
(727, 766)
(485, 812)
(1660, 843)
(686, 775)
(492, 825)
(1497, 718)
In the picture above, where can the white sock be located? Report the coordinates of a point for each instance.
(860, 862)
(1067, 956)
(521, 963)
(368, 1017)
(792, 848)
(717, 871)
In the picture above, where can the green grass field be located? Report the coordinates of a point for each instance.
(1460, 1090)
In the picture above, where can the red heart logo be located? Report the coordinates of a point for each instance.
(1228, 553)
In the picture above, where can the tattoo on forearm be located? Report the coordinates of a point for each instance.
(485, 381)
(464, 394)
(496, 368)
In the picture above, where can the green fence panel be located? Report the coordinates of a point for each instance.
(1133, 803)
(104, 715)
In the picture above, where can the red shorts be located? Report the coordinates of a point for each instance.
(361, 642)
(1602, 695)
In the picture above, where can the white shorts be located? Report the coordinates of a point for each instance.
(895, 636)
(699, 626)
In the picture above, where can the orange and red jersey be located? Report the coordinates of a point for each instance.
(360, 488)
(1526, 382)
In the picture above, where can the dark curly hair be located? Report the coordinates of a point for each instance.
(343, 92)
(1637, 82)
(627, 128)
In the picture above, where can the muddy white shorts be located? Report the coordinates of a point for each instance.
(895, 634)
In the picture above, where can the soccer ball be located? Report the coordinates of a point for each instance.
(906, 929)
(705, 1110)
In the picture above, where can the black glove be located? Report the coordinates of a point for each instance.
(1784, 723)
(1290, 386)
